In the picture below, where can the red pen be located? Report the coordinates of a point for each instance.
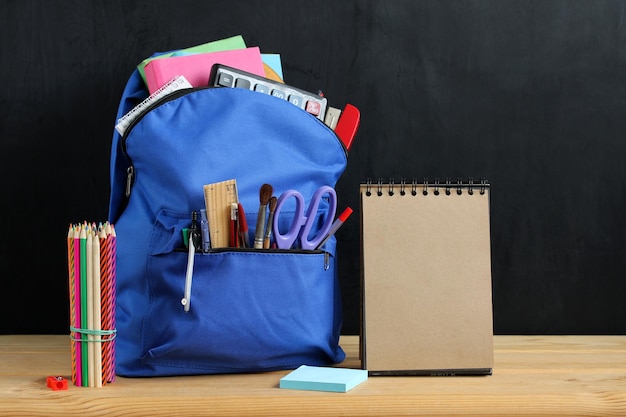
(336, 225)
(243, 226)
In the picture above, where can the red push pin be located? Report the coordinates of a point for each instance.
(57, 383)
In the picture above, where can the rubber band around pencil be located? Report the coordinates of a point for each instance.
(93, 332)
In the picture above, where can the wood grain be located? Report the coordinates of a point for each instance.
(533, 375)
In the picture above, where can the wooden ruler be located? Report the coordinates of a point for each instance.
(218, 198)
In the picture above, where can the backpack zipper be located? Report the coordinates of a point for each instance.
(130, 171)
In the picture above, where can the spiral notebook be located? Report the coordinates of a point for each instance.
(426, 278)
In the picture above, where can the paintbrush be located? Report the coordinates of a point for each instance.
(264, 197)
(270, 221)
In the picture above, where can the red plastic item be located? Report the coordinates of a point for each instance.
(348, 124)
(57, 383)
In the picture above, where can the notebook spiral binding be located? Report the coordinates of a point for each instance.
(380, 186)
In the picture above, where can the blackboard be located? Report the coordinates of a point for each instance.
(528, 94)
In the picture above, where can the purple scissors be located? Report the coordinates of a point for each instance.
(302, 224)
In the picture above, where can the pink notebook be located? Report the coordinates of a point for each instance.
(197, 68)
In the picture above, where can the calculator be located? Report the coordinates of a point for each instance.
(224, 76)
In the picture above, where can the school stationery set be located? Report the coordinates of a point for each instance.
(223, 200)
(91, 260)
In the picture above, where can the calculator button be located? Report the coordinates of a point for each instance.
(297, 100)
(312, 103)
(225, 80)
(313, 107)
(279, 94)
(262, 88)
(242, 83)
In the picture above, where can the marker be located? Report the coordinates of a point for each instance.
(336, 225)
(194, 232)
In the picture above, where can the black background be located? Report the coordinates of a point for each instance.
(528, 94)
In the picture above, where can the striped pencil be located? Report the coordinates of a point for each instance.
(105, 267)
(113, 299)
(107, 306)
(71, 271)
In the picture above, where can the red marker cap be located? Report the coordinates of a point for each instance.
(346, 213)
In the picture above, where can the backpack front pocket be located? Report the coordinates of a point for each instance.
(250, 310)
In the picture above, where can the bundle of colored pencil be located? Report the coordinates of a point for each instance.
(91, 258)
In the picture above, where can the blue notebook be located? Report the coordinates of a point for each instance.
(316, 378)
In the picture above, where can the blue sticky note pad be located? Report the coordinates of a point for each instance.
(315, 378)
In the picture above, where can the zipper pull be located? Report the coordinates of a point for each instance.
(326, 261)
(129, 179)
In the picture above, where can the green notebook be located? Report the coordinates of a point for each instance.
(227, 44)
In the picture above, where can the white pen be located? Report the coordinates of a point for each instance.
(186, 301)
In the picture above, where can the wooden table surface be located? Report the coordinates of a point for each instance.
(533, 375)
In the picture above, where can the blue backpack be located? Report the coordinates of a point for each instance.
(252, 309)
